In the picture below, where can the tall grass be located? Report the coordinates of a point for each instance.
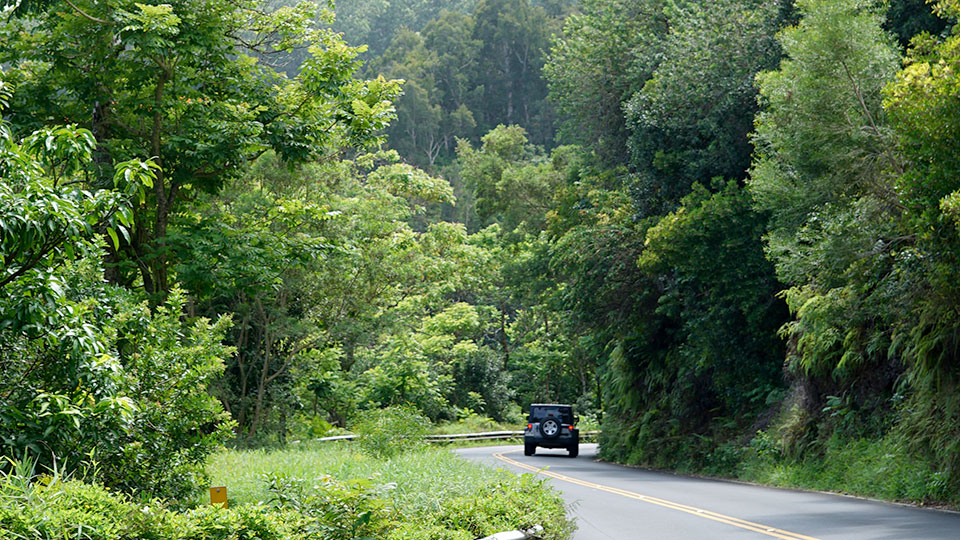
(425, 488)
(878, 468)
(416, 481)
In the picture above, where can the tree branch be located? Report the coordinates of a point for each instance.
(86, 15)
(888, 152)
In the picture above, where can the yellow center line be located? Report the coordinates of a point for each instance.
(692, 510)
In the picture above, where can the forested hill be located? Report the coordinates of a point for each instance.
(727, 231)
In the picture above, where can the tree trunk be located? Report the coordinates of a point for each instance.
(508, 81)
(504, 344)
(261, 386)
(164, 199)
(349, 355)
(141, 239)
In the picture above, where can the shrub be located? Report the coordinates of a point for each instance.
(509, 503)
(252, 522)
(470, 422)
(388, 432)
(134, 409)
(176, 424)
(331, 509)
(87, 373)
(42, 508)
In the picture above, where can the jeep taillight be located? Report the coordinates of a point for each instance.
(529, 426)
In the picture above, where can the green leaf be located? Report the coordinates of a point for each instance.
(113, 236)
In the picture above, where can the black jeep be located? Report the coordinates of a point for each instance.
(550, 425)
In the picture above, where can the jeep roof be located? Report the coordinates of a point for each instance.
(543, 410)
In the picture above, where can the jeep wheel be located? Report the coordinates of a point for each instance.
(529, 449)
(574, 450)
(550, 428)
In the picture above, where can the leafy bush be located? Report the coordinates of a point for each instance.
(77, 510)
(244, 523)
(177, 424)
(331, 509)
(391, 431)
(50, 507)
(137, 414)
(508, 503)
(62, 510)
(471, 422)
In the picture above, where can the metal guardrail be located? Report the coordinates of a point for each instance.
(490, 435)
(337, 438)
(486, 436)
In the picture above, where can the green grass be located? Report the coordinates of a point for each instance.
(876, 468)
(422, 479)
(329, 491)
(425, 488)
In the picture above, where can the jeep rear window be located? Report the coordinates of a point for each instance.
(563, 413)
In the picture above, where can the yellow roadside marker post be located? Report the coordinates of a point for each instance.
(218, 496)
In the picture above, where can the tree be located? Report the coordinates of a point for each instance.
(514, 37)
(82, 365)
(376, 23)
(604, 55)
(310, 262)
(176, 83)
(923, 104)
(652, 257)
(603, 304)
(419, 130)
(512, 180)
(823, 155)
(248, 252)
(467, 74)
(449, 36)
(909, 18)
(48, 222)
(689, 122)
(718, 296)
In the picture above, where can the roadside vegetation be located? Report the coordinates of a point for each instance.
(727, 232)
(881, 469)
(474, 423)
(779, 304)
(430, 493)
(331, 492)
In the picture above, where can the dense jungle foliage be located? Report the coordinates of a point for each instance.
(728, 231)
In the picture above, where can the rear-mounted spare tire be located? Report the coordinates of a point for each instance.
(550, 428)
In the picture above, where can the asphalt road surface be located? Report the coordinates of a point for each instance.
(622, 503)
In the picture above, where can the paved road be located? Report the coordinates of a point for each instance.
(615, 502)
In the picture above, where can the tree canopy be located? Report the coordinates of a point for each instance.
(726, 232)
